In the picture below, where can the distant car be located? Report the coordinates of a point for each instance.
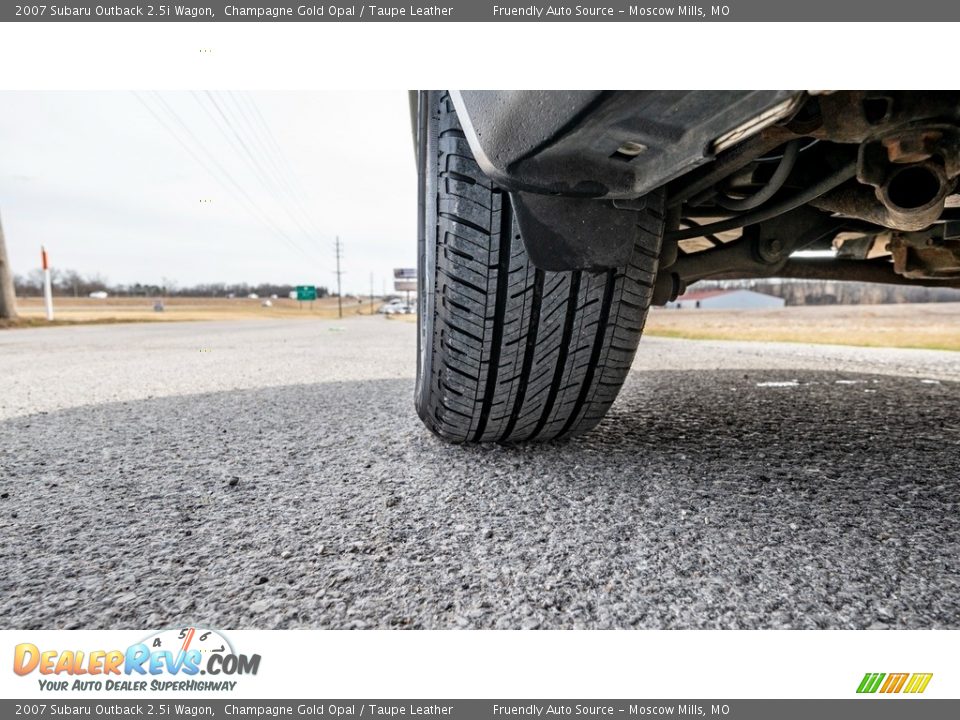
(401, 308)
(253, 296)
(99, 295)
(390, 306)
(550, 222)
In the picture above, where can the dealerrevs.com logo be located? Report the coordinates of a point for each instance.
(887, 684)
(168, 660)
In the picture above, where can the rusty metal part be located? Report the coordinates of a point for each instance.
(761, 254)
(914, 144)
(852, 117)
(911, 147)
(860, 116)
(894, 207)
(911, 171)
(933, 254)
(860, 246)
(876, 271)
(914, 195)
(920, 256)
(909, 198)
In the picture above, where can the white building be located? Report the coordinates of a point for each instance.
(727, 300)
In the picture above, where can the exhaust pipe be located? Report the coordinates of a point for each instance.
(914, 195)
(911, 198)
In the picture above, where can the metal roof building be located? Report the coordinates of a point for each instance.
(734, 299)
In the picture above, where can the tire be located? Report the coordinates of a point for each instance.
(506, 352)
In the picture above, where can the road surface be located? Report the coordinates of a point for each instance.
(274, 475)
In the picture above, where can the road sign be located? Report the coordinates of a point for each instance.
(306, 292)
(405, 285)
(404, 273)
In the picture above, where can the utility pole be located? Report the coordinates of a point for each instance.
(339, 293)
(371, 294)
(8, 299)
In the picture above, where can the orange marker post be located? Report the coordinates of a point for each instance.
(47, 285)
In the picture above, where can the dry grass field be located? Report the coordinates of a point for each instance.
(932, 325)
(929, 325)
(125, 309)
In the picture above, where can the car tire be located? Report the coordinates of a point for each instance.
(508, 352)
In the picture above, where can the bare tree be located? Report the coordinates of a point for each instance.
(72, 283)
(35, 279)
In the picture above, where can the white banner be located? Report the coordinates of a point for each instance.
(507, 664)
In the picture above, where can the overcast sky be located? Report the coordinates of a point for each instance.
(103, 180)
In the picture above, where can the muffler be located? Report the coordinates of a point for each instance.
(904, 178)
(910, 198)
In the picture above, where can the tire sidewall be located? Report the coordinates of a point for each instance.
(427, 171)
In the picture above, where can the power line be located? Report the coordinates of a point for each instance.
(221, 175)
(272, 152)
(245, 152)
(258, 138)
(270, 149)
(265, 152)
(281, 159)
(265, 217)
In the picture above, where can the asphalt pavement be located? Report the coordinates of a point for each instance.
(275, 475)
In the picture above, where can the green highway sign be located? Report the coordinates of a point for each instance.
(306, 292)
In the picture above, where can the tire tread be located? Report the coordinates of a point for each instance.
(519, 353)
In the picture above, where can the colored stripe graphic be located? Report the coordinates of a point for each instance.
(895, 683)
(918, 682)
(870, 682)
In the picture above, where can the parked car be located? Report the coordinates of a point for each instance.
(551, 221)
(391, 306)
(398, 308)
